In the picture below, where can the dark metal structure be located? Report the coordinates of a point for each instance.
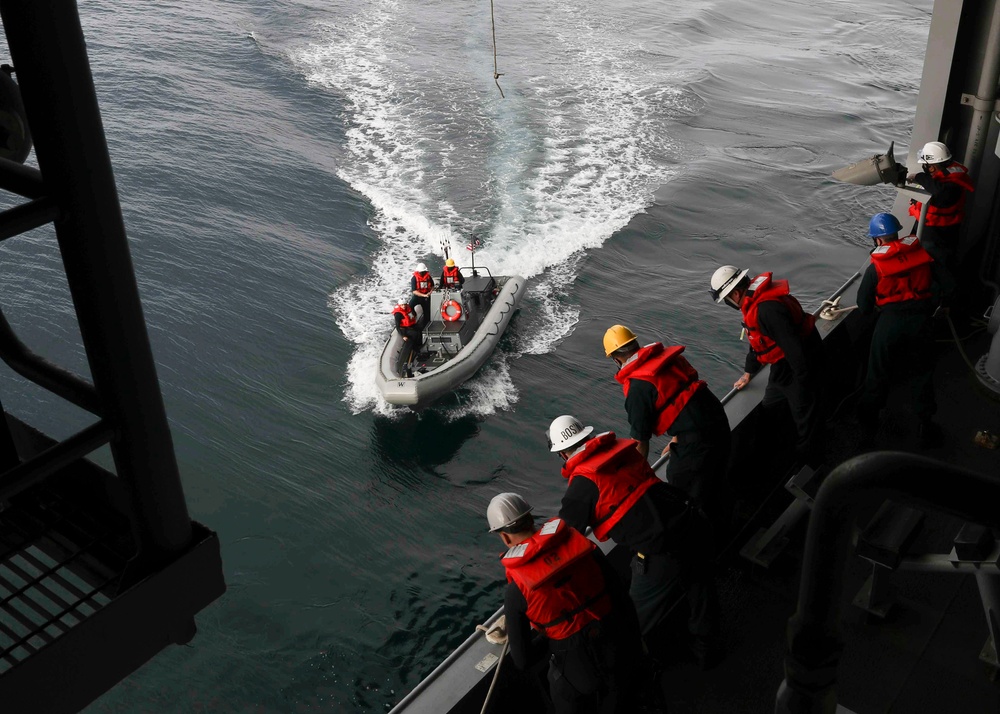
(815, 642)
(98, 571)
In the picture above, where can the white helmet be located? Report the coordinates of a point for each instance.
(402, 301)
(505, 510)
(724, 280)
(934, 152)
(565, 432)
(421, 268)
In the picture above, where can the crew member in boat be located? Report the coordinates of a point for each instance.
(781, 334)
(663, 395)
(559, 583)
(903, 284)
(408, 327)
(612, 488)
(451, 276)
(421, 287)
(948, 183)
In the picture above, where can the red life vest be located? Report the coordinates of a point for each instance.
(904, 271)
(762, 290)
(620, 472)
(560, 580)
(450, 277)
(950, 215)
(675, 380)
(424, 282)
(409, 316)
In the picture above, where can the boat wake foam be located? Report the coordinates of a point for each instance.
(574, 152)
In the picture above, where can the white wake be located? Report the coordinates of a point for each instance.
(550, 172)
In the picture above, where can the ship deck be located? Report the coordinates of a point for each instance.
(924, 656)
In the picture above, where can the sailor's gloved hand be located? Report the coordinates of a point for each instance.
(497, 634)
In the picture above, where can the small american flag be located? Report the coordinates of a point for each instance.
(473, 245)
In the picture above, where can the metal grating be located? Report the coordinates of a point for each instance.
(59, 563)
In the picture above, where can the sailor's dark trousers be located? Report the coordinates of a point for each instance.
(900, 354)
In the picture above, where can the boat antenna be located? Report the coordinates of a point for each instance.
(472, 247)
(445, 247)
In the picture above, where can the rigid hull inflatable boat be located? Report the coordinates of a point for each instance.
(463, 330)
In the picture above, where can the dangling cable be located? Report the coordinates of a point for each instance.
(495, 635)
(958, 343)
(496, 75)
(496, 675)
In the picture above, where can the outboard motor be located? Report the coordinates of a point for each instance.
(988, 366)
(881, 168)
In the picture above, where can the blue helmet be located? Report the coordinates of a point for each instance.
(883, 224)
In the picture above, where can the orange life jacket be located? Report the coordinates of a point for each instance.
(762, 290)
(620, 473)
(409, 318)
(424, 281)
(904, 271)
(450, 277)
(675, 380)
(949, 215)
(560, 580)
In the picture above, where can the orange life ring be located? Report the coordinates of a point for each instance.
(446, 308)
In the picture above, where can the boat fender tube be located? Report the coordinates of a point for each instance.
(451, 310)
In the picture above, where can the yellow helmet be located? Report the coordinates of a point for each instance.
(616, 337)
(450, 263)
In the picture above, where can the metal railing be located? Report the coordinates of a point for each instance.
(814, 636)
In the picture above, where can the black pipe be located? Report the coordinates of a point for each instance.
(27, 216)
(54, 458)
(8, 450)
(47, 46)
(33, 367)
(20, 179)
(814, 639)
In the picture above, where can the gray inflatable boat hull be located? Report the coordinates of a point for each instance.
(422, 389)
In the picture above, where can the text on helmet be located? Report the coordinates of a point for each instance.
(569, 431)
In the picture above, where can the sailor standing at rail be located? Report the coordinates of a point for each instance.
(613, 490)
(784, 336)
(421, 287)
(664, 395)
(901, 283)
(948, 184)
(559, 583)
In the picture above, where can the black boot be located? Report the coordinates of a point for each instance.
(929, 433)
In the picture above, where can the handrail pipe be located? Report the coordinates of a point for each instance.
(815, 642)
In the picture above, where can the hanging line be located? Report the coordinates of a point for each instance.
(496, 75)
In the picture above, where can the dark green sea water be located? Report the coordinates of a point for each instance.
(282, 165)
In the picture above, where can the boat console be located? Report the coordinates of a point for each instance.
(479, 291)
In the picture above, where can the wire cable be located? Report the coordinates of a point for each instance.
(496, 675)
(496, 75)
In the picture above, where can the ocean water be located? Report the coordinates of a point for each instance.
(282, 166)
